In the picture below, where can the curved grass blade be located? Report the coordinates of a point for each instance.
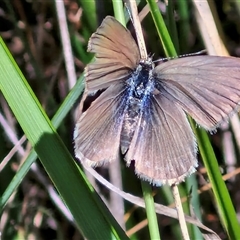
(227, 213)
(79, 196)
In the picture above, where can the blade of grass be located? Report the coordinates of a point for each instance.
(206, 13)
(181, 188)
(161, 28)
(184, 26)
(172, 25)
(146, 188)
(148, 198)
(90, 214)
(181, 218)
(56, 121)
(66, 44)
(89, 12)
(169, 51)
(118, 11)
(150, 210)
(192, 188)
(226, 210)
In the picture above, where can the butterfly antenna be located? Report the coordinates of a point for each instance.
(180, 56)
(193, 54)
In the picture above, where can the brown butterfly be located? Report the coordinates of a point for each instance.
(142, 110)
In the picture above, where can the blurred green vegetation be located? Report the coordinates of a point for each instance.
(30, 29)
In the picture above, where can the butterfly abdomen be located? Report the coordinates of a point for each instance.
(140, 87)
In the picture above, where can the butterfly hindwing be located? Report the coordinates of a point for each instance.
(97, 133)
(163, 146)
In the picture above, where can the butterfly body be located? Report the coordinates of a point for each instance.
(142, 110)
(139, 89)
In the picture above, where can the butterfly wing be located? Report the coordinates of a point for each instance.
(117, 55)
(163, 145)
(97, 133)
(206, 87)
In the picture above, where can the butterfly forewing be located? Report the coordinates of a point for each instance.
(163, 145)
(116, 55)
(206, 87)
(100, 125)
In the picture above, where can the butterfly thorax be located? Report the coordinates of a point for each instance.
(141, 82)
(139, 88)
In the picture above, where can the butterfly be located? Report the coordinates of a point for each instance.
(141, 110)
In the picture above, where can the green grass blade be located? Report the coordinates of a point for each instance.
(225, 207)
(184, 26)
(227, 213)
(150, 210)
(118, 11)
(90, 214)
(146, 188)
(56, 121)
(163, 34)
(89, 12)
(171, 23)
